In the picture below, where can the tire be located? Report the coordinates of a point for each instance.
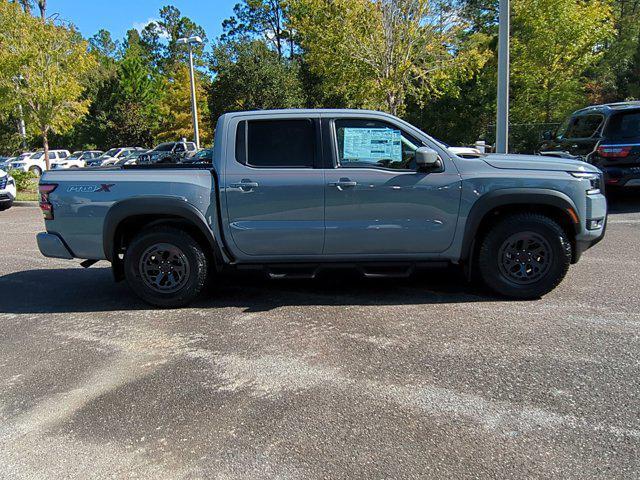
(6, 205)
(36, 170)
(182, 256)
(524, 256)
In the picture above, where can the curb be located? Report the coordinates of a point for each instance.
(21, 203)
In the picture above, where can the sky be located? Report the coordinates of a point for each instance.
(118, 16)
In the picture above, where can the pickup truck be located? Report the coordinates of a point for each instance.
(292, 192)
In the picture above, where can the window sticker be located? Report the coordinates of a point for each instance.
(361, 144)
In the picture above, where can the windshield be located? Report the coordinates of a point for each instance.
(624, 126)
(110, 153)
(75, 156)
(37, 155)
(163, 147)
(580, 126)
(23, 156)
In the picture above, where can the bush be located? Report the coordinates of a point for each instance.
(24, 180)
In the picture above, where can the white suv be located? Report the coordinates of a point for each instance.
(35, 162)
(7, 190)
(76, 160)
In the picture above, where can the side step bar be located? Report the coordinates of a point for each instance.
(368, 270)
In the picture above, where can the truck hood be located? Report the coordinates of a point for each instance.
(537, 162)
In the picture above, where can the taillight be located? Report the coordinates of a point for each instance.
(47, 209)
(613, 151)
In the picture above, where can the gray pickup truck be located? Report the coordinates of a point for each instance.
(293, 192)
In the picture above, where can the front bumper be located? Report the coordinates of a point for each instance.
(51, 245)
(596, 209)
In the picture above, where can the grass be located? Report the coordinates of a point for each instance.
(27, 196)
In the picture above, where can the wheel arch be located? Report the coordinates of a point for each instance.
(493, 205)
(127, 218)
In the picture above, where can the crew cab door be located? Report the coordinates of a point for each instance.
(376, 201)
(274, 192)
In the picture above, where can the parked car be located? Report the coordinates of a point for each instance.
(35, 162)
(5, 163)
(169, 152)
(7, 190)
(132, 158)
(607, 136)
(202, 157)
(296, 191)
(110, 157)
(77, 159)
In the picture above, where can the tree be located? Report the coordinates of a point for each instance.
(375, 53)
(159, 39)
(175, 106)
(42, 68)
(554, 43)
(103, 44)
(250, 76)
(264, 19)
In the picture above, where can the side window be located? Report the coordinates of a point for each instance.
(276, 143)
(624, 126)
(62, 154)
(191, 147)
(179, 147)
(52, 155)
(372, 143)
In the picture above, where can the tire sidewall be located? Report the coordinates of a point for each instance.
(197, 268)
(489, 256)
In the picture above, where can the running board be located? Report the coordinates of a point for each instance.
(368, 270)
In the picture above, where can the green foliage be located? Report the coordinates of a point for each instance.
(24, 180)
(42, 68)
(251, 76)
(554, 44)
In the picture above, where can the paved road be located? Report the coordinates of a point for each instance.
(339, 378)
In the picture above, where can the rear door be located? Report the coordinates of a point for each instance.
(376, 201)
(274, 188)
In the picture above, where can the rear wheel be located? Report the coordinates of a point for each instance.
(524, 256)
(166, 267)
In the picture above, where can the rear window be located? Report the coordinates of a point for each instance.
(583, 126)
(624, 126)
(276, 143)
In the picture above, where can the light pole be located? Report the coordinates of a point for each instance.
(194, 109)
(502, 118)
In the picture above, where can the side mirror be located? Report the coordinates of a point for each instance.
(427, 159)
(547, 135)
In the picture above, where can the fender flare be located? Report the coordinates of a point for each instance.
(509, 197)
(161, 206)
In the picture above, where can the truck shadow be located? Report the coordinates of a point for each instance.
(624, 202)
(70, 290)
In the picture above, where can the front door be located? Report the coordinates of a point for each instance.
(376, 201)
(274, 192)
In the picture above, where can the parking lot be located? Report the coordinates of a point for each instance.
(335, 378)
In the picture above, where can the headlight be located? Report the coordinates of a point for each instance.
(595, 181)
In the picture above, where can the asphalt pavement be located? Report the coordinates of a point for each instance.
(340, 377)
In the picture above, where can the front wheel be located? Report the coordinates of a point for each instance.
(37, 171)
(524, 256)
(166, 267)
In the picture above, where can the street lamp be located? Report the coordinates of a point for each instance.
(502, 117)
(190, 41)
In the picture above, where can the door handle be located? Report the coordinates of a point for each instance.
(343, 183)
(245, 185)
